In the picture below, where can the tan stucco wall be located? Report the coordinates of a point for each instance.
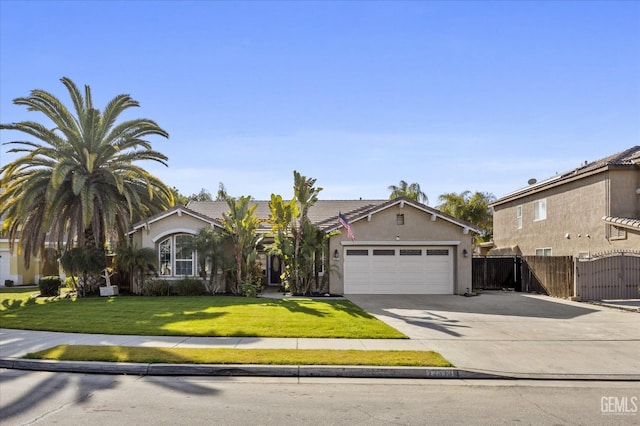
(170, 225)
(17, 271)
(418, 227)
(575, 208)
(625, 202)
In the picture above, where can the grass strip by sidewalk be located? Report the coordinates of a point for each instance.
(241, 356)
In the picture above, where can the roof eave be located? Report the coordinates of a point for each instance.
(402, 200)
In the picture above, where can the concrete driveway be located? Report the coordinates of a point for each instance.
(516, 333)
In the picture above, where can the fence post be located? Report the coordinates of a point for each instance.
(575, 296)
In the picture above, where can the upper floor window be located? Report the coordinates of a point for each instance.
(177, 257)
(540, 209)
(519, 217)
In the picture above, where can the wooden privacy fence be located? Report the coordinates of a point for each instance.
(496, 273)
(551, 275)
(613, 277)
(616, 276)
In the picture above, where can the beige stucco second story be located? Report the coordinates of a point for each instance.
(589, 210)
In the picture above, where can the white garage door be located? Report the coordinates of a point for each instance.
(398, 270)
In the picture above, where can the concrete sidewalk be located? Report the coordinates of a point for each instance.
(501, 335)
(14, 344)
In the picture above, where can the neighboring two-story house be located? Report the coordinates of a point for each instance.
(590, 210)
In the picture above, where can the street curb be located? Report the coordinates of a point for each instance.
(299, 371)
(143, 369)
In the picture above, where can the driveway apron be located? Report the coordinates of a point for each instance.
(506, 332)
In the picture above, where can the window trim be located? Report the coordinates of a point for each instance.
(544, 251)
(541, 213)
(173, 259)
(617, 233)
(519, 216)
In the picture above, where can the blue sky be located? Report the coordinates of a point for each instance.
(455, 96)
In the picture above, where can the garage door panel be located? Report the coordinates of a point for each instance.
(406, 270)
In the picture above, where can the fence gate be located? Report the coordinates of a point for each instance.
(613, 277)
(496, 273)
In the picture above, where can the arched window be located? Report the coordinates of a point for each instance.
(176, 256)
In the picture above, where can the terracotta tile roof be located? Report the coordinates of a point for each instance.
(625, 222)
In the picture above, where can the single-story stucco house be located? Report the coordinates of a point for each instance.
(400, 246)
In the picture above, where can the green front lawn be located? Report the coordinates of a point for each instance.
(193, 316)
(241, 356)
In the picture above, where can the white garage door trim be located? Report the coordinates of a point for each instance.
(403, 268)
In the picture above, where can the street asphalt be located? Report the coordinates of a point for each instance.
(493, 335)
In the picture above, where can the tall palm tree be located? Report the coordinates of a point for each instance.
(412, 191)
(473, 208)
(77, 182)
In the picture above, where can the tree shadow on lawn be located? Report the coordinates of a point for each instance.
(321, 308)
(298, 306)
(8, 305)
(175, 316)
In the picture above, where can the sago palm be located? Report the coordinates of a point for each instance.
(76, 180)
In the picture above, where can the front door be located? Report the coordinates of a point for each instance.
(275, 271)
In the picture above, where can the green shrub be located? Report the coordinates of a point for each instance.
(189, 287)
(71, 283)
(249, 289)
(155, 288)
(8, 283)
(50, 286)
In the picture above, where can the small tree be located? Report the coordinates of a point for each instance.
(209, 245)
(135, 262)
(296, 240)
(87, 262)
(241, 226)
(203, 195)
(281, 217)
